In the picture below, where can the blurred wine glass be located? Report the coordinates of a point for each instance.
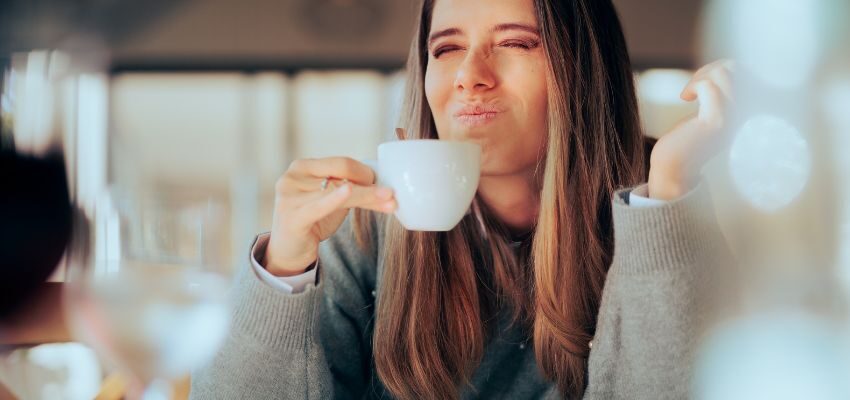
(143, 292)
(145, 282)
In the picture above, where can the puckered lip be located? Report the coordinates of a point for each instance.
(477, 109)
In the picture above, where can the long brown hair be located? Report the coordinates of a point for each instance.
(440, 289)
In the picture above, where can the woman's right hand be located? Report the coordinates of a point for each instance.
(305, 215)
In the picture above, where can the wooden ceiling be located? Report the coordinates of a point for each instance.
(258, 34)
(218, 34)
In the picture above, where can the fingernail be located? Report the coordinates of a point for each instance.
(389, 206)
(383, 193)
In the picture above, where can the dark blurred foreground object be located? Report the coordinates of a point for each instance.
(35, 224)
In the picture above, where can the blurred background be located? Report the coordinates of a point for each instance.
(188, 105)
(201, 99)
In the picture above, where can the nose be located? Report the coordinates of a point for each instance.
(474, 73)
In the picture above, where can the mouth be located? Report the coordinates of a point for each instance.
(476, 114)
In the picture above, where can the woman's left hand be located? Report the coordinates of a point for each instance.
(679, 155)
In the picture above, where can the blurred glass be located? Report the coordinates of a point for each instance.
(144, 292)
(780, 193)
(68, 371)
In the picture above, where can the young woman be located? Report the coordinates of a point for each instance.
(526, 297)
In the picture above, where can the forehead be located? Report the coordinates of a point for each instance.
(473, 13)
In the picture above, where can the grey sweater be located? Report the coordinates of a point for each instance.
(317, 344)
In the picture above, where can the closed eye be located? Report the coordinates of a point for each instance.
(527, 45)
(445, 49)
(515, 44)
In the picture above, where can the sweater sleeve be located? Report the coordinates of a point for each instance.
(310, 345)
(651, 313)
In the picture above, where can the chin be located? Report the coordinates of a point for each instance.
(499, 166)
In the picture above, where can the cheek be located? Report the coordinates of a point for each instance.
(526, 80)
(429, 86)
(533, 92)
(437, 93)
(536, 119)
(540, 90)
(435, 90)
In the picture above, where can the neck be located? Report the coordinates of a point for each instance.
(514, 199)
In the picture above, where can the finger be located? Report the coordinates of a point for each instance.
(311, 184)
(361, 194)
(707, 68)
(386, 207)
(707, 71)
(335, 167)
(711, 104)
(294, 184)
(369, 197)
(689, 93)
(722, 78)
(324, 206)
(372, 198)
(338, 199)
(719, 77)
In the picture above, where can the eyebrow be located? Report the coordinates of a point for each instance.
(498, 28)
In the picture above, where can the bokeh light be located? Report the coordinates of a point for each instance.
(777, 40)
(774, 356)
(769, 162)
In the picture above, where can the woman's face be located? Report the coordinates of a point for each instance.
(486, 80)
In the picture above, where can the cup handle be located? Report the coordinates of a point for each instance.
(372, 164)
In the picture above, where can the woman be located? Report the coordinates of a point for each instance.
(506, 304)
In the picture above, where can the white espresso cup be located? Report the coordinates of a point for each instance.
(434, 181)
